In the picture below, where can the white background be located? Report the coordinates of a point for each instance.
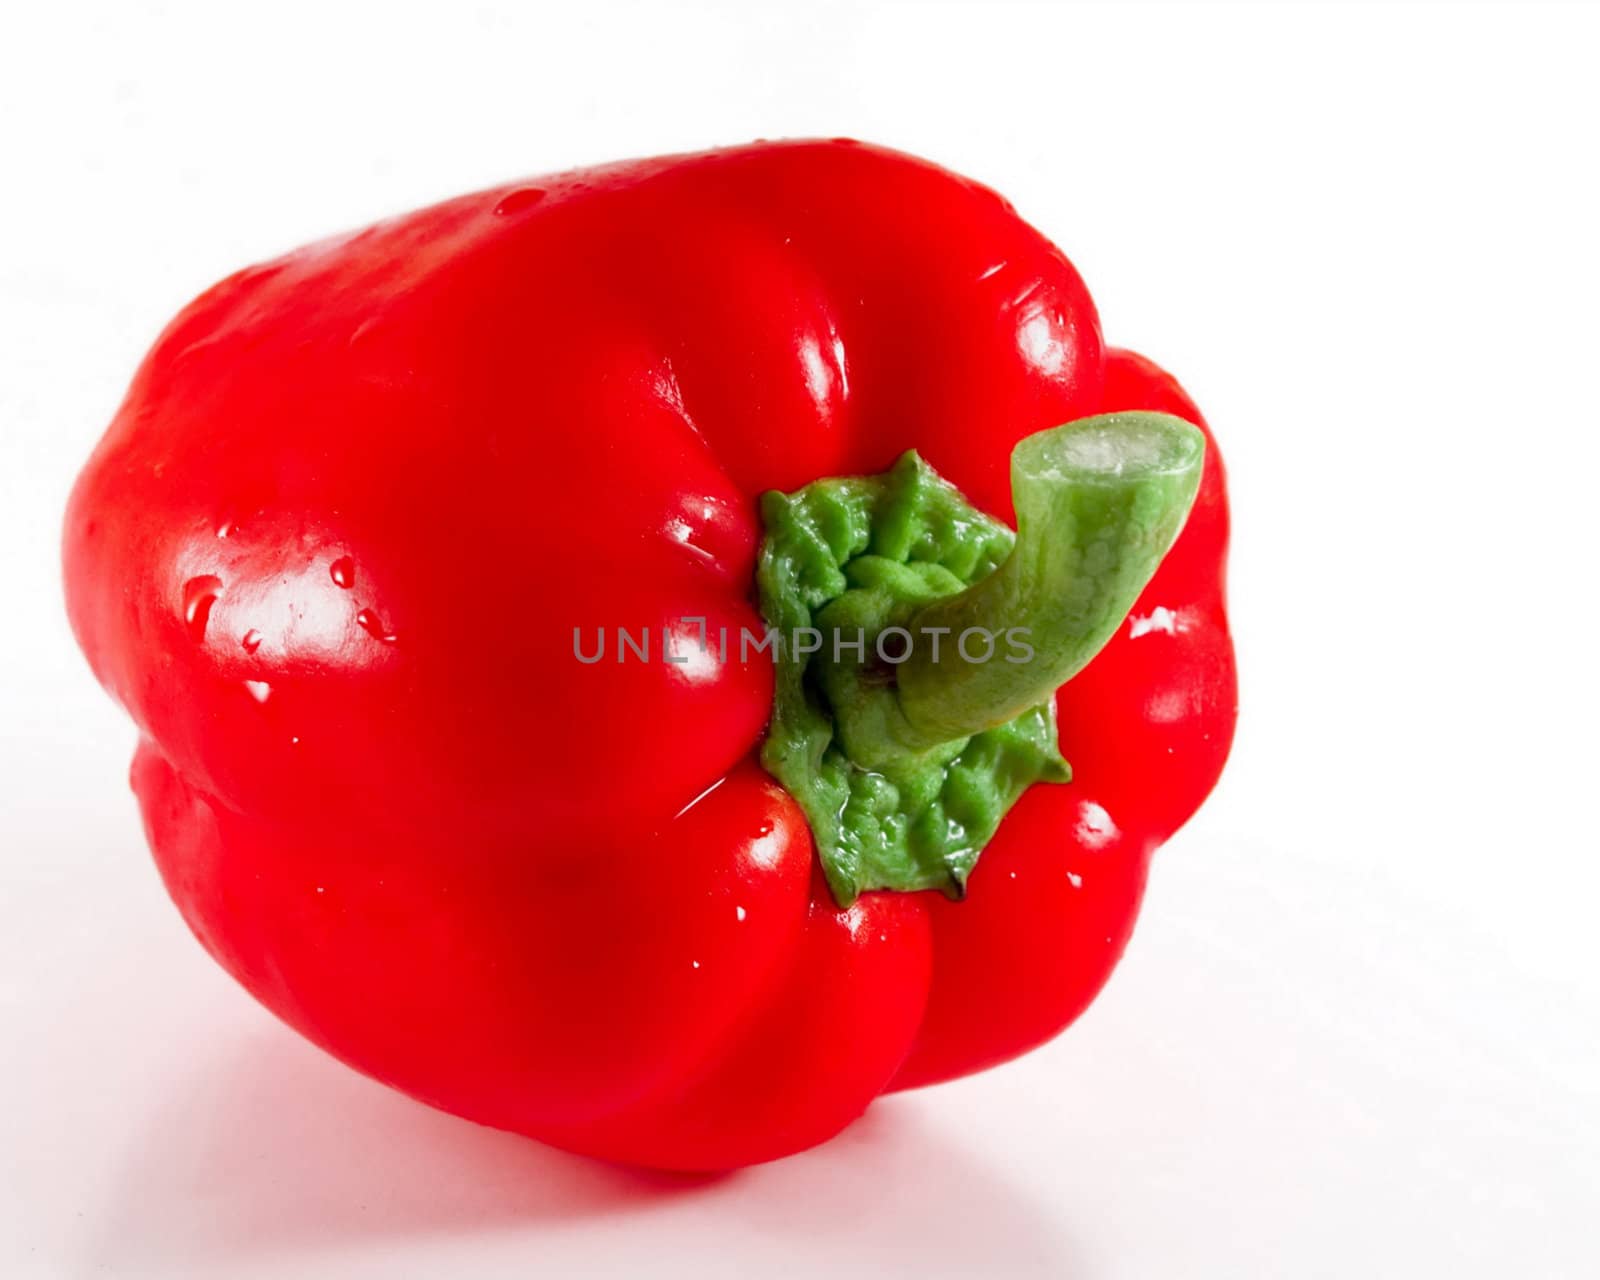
(1356, 1033)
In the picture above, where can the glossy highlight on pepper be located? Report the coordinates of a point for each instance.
(332, 551)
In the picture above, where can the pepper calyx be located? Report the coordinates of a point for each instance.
(919, 642)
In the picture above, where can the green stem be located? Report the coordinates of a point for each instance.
(1099, 502)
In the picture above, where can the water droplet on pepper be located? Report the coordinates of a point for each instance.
(369, 622)
(199, 594)
(517, 201)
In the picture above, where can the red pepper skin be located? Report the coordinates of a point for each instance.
(331, 553)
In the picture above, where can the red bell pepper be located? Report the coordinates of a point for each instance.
(349, 546)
